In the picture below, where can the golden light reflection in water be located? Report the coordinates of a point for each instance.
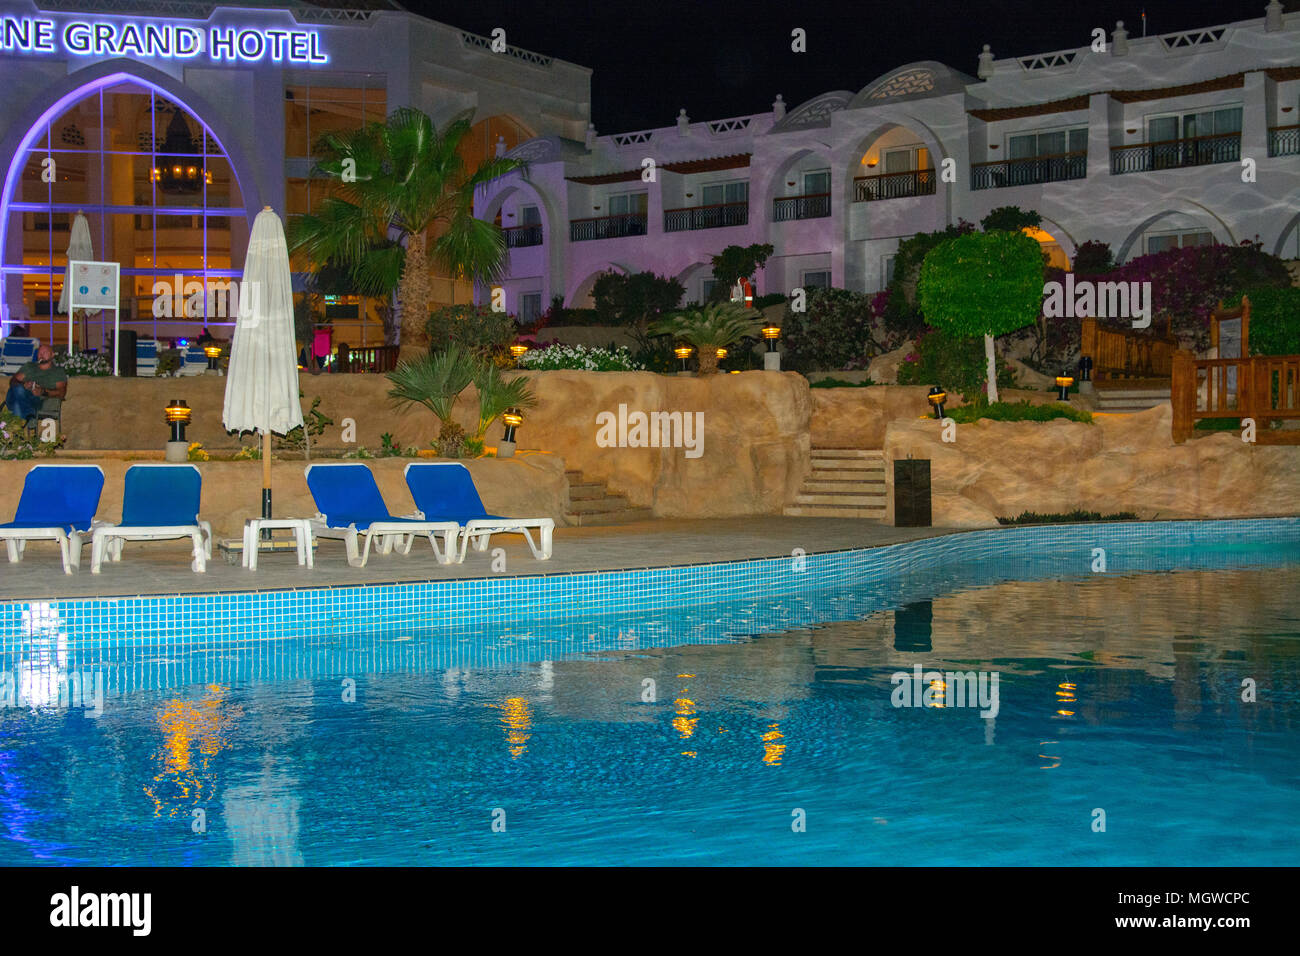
(1052, 766)
(685, 720)
(517, 715)
(193, 733)
(772, 751)
(940, 689)
(1065, 695)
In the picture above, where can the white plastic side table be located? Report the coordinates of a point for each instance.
(300, 527)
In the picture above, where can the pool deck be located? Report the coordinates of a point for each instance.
(163, 567)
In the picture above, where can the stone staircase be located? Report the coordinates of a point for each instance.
(843, 483)
(1134, 395)
(590, 503)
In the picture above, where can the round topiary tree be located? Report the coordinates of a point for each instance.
(984, 283)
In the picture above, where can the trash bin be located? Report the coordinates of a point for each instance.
(912, 493)
(126, 351)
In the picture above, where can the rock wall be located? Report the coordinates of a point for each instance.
(531, 486)
(857, 417)
(755, 441)
(1118, 463)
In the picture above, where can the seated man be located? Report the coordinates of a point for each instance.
(37, 389)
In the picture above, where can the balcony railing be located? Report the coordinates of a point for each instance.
(1030, 171)
(706, 217)
(914, 182)
(1284, 140)
(812, 206)
(519, 236)
(607, 227)
(1176, 153)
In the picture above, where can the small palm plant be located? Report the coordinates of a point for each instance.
(709, 328)
(436, 381)
(496, 394)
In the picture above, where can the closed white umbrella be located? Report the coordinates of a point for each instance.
(81, 250)
(262, 381)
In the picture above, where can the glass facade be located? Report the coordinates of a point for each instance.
(161, 198)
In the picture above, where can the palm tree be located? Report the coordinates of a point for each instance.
(496, 394)
(435, 381)
(709, 328)
(394, 181)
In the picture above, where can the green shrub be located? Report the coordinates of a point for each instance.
(763, 301)
(830, 382)
(954, 364)
(473, 328)
(1217, 424)
(631, 300)
(581, 357)
(1017, 412)
(1068, 517)
(15, 442)
(832, 333)
(1274, 321)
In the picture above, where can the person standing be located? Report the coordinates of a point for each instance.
(37, 390)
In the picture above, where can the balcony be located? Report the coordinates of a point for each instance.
(1176, 153)
(1029, 171)
(706, 217)
(607, 227)
(914, 182)
(517, 237)
(812, 206)
(1284, 141)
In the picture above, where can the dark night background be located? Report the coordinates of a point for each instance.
(729, 59)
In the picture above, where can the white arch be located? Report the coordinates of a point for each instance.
(1156, 211)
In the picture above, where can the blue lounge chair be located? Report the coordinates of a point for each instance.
(350, 504)
(58, 503)
(193, 361)
(159, 503)
(15, 352)
(445, 491)
(146, 357)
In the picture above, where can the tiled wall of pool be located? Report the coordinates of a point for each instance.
(225, 618)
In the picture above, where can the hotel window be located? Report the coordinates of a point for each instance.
(1190, 125)
(530, 216)
(530, 307)
(907, 159)
(628, 204)
(1178, 240)
(312, 111)
(886, 270)
(715, 194)
(817, 182)
(706, 289)
(161, 198)
(1052, 143)
(819, 279)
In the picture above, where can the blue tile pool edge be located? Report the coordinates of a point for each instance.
(328, 610)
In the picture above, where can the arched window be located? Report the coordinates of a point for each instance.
(160, 196)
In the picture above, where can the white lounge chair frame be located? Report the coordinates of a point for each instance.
(390, 533)
(482, 529)
(106, 540)
(16, 539)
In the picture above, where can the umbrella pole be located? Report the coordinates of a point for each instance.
(266, 480)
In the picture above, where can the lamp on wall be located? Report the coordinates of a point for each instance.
(513, 418)
(1063, 383)
(177, 414)
(683, 352)
(936, 398)
(180, 169)
(771, 358)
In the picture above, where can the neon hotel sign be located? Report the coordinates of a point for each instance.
(153, 38)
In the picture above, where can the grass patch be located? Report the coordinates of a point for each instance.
(1068, 517)
(1217, 424)
(839, 383)
(1018, 412)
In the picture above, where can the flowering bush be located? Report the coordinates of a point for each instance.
(843, 330)
(82, 363)
(581, 357)
(197, 452)
(16, 443)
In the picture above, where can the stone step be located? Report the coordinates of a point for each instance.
(829, 474)
(872, 453)
(804, 498)
(831, 511)
(586, 491)
(573, 476)
(623, 516)
(848, 464)
(1109, 397)
(599, 505)
(868, 487)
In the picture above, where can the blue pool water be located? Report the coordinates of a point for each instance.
(698, 736)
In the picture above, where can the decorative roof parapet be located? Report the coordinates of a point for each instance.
(814, 113)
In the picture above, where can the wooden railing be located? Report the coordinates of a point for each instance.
(711, 216)
(913, 182)
(372, 358)
(1265, 388)
(1029, 171)
(1176, 153)
(811, 206)
(1124, 354)
(1284, 140)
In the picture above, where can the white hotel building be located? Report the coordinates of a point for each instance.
(1143, 146)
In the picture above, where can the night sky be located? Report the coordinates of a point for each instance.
(728, 59)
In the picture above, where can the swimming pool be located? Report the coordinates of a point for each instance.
(749, 730)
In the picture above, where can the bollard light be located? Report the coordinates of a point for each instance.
(1063, 383)
(683, 352)
(771, 332)
(936, 398)
(178, 416)
(1085, 368)
(513, 419)
(518, 350)
(722, 353)
(213, 352)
